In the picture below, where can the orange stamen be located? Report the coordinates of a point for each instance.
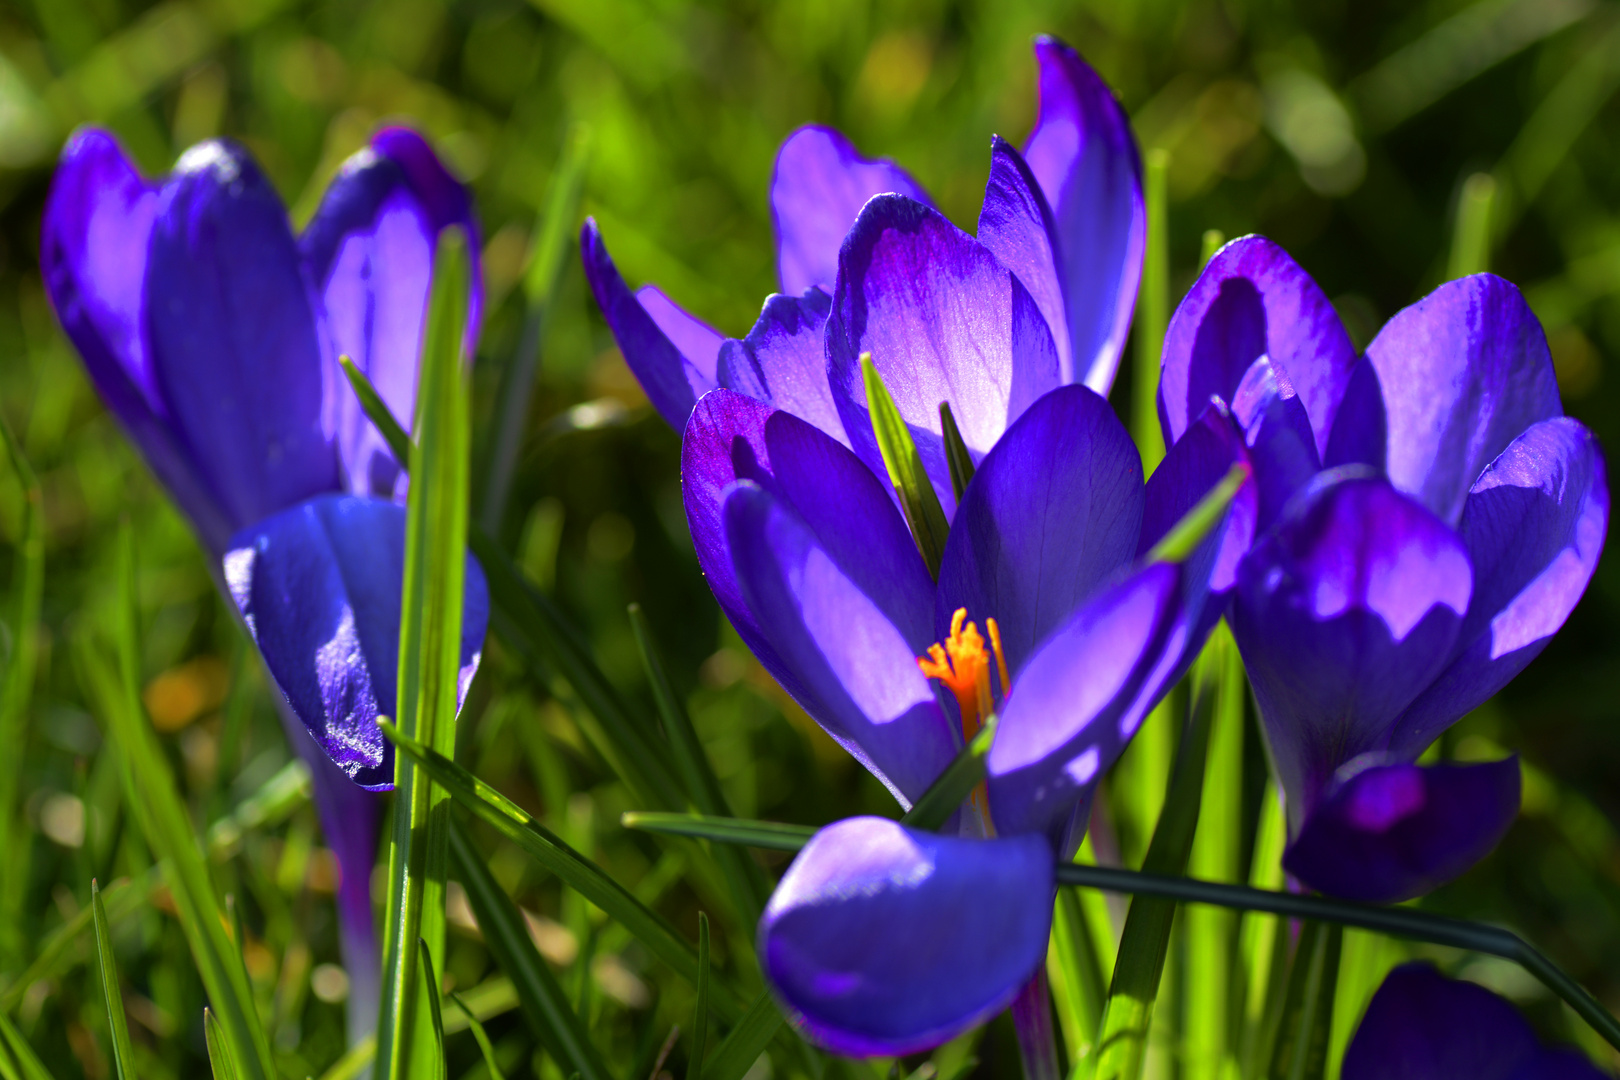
(1001, 659)
(962, 663)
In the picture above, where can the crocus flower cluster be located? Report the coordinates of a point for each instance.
(212, 333)
(1421, 1025)
(1427, 520)
(883, 939)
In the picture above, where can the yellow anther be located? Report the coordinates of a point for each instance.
(962, 663)
(1001, 659)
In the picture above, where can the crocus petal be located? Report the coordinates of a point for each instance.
(1252, 300)
(369, 251)
(1421, 1025)
(695, 339)
(1344, 613)
(235, 349)
(944, 321)
(1075, 703)
(93, 255)
(829, 625)
(1534, 524)
(1016, 225)
(818, 187)
(319, 588)
(1191, 468)
(1389, 831)
(1052, 512)
(1085, 158)
(783, 362)
(1278, 434)
(884, 940)
(672, 381)
(1360, 428)
(1466, 370)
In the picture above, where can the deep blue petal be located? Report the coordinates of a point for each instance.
(882, 940)
(1082, 152)
(1387, 831)
(1278, 435)
(818, 186)
(369, 252)
(1053, 511)
(1360, 428)
(1534, 524)
(1465, 370)
(319, 588)
(1198, 461)
(1421, 1025)
(671, 380)
(1252, 300)
(944, 321)
(783, 360)
(1344, 613)
(1016, 224)
(92, 255)
(1079, 699)
(235, 349)
(831, 621)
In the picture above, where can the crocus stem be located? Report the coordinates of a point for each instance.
(1032, 1017)
(350, 819)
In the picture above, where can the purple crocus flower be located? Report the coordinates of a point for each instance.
(212, 333)
(1062, 224)
(1427, 520)
(1421, 1025)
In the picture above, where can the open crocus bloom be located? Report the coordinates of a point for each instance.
(1061, 232)
(212, 333)
(1421, 1025)
(1427, 520)
(877, 938)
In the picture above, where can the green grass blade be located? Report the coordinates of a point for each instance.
(1212, 242)
(154, 800)
(57, 954)
(431, 992)
(541, 997)
(744, 878)
(219, 1050)
(700, 1010)
(736, 1055)
(948, 791)
(1122, 1032)
(767, 835)
(429, 644)
(918, 500)
(17, 1059)
(1301, 1046)
(557, 227)
(1152, 311)
(1471, 234)
(575, 871)
(480, 1036)
(17, 683)
(1211, 933)
(1076, 977)
(526, 618)
(1197, 523)
(117, 1026)
(1263, 939)
(956, 451)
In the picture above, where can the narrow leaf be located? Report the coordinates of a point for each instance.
(117, 1026)
(154, 800)
(17, 684)
(744, 878)
(429, 646)
(956, 451)
(1152, 310)
(219, 1050)
(57, 954)
(1471, 236)
(767, 835)
(1201, 520)
(17, 1058)
(1301, 1046)
(480, 1036)
(1212, 242)
(432, 993)
(736, 1055)
(700, 1012)
(918, 500)
(936, 805)
(377, 411)
(576, 871)
(506, 935)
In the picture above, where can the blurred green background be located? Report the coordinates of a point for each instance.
(1346, 132)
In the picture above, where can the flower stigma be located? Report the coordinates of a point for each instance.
(962, 663)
